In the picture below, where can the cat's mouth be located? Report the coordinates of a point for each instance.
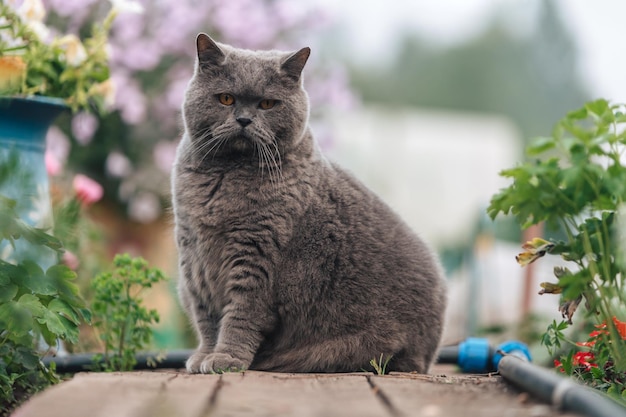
(242, 143)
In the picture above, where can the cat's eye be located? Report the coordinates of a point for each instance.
(226, 99)
(267, 104)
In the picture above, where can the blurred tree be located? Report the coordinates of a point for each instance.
(531, 79)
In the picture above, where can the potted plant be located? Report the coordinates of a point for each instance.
(41, 75)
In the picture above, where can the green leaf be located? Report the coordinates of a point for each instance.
(86, 314)
(597, 373)
(15, 318)
(71, 330)
(32, 304)
(5, 279)
(27, 357)
(575, 284)
(579, 114)
(61, 278)
(63, 308)
(598, 107)
(540, 145)
(35, 280)
(39, 237)
(50, 338)
(7, 292)
(53, 323)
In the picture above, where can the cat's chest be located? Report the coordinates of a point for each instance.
(222, 200)
(215, 199)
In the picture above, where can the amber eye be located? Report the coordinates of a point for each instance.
(267, 104)
(226, 99)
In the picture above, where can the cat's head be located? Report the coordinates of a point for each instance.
(242, 102)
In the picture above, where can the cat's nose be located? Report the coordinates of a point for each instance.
(244, 121)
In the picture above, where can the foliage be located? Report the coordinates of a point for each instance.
(119, 316)
(34, 305)
(64, 67)
(380, 365)
(595, 364)
(576, 180)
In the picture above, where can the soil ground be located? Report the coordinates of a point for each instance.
(444, 393)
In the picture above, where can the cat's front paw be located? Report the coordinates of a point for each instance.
(214, 363)
(194, 362)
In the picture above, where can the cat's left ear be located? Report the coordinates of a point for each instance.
(294, 64)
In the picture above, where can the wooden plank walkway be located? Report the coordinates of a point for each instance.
(172, 393)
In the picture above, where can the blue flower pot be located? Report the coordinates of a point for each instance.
(24, 123)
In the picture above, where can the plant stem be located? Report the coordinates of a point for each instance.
(15, 48)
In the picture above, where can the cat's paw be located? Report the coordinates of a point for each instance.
(194, 362)
(214, 363)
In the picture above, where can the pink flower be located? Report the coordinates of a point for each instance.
(53, 165)
(87, 190)
(84, 125)
(164, 154)
(70, 260)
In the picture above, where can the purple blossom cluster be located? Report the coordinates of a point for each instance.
(160, 41)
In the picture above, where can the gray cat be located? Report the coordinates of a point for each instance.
(287, 262)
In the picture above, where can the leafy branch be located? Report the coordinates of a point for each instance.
(121, 319)
(34, 305)
(576, 180)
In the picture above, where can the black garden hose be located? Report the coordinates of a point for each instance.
(564, 393)
(80, 362)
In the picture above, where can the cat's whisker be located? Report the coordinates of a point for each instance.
(205, 142)
(207, 147)
(199, 138)
(267, 162)
(272, 157)
(258, 150)
(279, 163)
(271, 160)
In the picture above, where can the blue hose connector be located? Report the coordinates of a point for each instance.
(512, 347)
(476, 356)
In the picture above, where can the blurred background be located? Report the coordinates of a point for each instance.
(424, 101)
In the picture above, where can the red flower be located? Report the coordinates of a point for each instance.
(620, 326)
(597, 333)
(559, 365)
(583, 359)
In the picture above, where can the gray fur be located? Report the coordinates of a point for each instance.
(287, 262)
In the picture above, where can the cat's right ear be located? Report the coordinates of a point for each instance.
(208, 52)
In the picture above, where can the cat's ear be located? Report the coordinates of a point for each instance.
(208, 51)
(294, 64)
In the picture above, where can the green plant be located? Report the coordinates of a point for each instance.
(66, 67)
(575, 181)
(380, 365)
(34, 305)
(119, 316)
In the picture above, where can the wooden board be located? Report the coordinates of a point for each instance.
(269, 394)
(125, 395)
(171, 393)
